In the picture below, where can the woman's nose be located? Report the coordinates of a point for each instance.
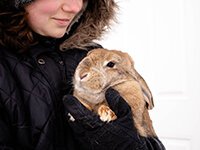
(72, 5)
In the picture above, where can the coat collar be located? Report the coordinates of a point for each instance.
(44, 44)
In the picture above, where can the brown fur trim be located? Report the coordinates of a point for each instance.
(95, 21)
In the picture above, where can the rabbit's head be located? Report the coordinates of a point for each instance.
(102, 69)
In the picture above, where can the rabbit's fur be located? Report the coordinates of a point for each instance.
(103, 68)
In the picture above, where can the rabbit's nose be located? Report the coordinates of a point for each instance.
(82, 76)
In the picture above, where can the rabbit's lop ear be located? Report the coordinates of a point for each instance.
(146, 91)
(129, 65)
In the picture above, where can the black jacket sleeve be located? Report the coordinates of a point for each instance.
(5, 135)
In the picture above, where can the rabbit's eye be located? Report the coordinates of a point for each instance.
(110, 64)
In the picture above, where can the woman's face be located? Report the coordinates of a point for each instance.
(52, 17)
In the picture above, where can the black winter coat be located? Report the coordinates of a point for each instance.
(31, 89)
(32, 114)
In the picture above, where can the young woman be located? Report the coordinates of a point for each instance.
(41, 43)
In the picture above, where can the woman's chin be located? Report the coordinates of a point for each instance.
(58, 35)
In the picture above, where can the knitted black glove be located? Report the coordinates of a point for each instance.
(93, 134)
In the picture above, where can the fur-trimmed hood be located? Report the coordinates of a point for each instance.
(95, 19)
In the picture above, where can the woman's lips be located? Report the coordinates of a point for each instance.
(62, 21)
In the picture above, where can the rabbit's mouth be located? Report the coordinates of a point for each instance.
(92, 88)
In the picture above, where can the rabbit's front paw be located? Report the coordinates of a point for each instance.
(106, 114)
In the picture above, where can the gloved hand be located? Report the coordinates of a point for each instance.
(94, 134)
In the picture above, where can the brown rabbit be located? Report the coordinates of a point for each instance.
(102, 69)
